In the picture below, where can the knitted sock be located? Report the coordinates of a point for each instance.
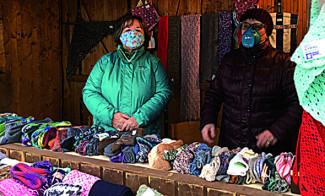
(119, 158)
(105, 142)
(91, 147)
(142, 155)
(223, 164)
(108, 151)
(129, 154)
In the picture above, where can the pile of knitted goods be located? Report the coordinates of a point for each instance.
(65, 137)
(237, 166)
(232, 166)
(41, 178)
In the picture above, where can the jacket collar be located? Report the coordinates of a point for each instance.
(128, 57)
(258, 51)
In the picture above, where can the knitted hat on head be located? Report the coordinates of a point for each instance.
(260, 15)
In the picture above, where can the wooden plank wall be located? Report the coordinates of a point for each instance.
(32, 82)
(32, 76)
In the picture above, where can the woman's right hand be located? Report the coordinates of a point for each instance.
(208, 133)
(118, 120)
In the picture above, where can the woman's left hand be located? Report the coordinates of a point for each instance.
(265, 139)
(130, 124)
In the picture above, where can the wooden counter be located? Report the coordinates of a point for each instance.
(133, 175)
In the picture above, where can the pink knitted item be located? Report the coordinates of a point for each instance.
(283, 166)
(9, 187)
(86, 181)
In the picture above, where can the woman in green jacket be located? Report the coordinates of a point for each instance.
(128, 88)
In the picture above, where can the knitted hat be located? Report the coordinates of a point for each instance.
(260, 15)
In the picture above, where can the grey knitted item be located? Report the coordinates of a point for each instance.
(129, 154)
(190, 62)
(209, 46)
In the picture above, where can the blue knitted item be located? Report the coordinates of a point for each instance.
(202, 157)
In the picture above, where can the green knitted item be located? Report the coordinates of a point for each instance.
(145, 190)
(171, 155)
(309, 76)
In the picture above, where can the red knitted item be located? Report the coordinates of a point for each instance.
(163, 40)
(310, 157)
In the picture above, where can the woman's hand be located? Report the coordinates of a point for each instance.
(208, 133)
(130, 124)
(265, 139)
(119, 120)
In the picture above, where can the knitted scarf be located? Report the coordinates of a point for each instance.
(173, 62)
(190, 61)
(224, 34)
(309, 75)
(209, 46)
(163, 40)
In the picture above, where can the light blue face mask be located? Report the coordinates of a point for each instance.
(250, 38)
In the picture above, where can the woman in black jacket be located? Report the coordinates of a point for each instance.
(255, 84)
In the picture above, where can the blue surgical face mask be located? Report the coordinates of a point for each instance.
(250, 38)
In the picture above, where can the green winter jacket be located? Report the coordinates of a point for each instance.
(136, 86)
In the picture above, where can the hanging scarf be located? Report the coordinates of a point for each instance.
(190, 61)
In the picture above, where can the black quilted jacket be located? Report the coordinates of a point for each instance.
(257, 89)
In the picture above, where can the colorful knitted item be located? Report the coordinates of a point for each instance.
(61, 134)
(202, 157)
(48, 166)
(223, 164)
(86, 181)
(60, 189)
(182, 161)
(119, 158)
(237, 166)
(283, 163)
(171, 155)
(9, 187)
(209, 171)
(309, 75)
(30, 176)
(129, 154)
(13, 129)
